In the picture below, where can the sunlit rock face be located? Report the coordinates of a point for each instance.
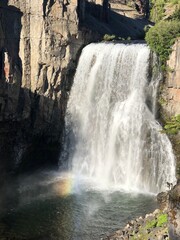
(169, 98)
(172, 91)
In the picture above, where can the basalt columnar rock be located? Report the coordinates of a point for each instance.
(40, 42)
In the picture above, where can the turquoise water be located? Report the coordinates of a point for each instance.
(41, 211)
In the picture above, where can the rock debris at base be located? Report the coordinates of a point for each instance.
(151, 227)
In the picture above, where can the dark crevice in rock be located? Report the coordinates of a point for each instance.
(44, 7)
(45, 80)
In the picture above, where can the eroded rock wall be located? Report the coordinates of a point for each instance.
(40, 42)
(40, 47)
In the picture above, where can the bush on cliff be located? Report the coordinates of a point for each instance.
(161, 37)
(176, 14)
(173, 125)
(159, 8)
(108, 37)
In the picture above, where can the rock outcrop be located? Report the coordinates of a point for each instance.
(38, 49)
(174, 212)
(170, 201)
(172, 91)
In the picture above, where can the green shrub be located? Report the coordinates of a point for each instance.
(161, 37)
(157, 10)
(174, 1)
(176, 14)
(108, 37)
(173, 126)
(151, 224)
(161, 220)
(162, 101)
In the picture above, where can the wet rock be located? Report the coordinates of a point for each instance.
(174, 194)
(162, 199)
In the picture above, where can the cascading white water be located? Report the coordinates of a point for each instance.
(113, 136)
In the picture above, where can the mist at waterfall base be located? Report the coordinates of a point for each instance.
(117, 156)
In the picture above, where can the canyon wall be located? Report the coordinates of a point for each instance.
(40, 42)
(170, 97)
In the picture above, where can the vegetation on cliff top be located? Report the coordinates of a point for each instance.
(160, 9)
(161, 37)
(109, 38)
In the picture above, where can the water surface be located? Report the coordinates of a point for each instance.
(49, 208)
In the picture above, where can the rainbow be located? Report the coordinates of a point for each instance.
(64, 185)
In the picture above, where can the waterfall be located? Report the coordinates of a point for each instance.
(113, 137)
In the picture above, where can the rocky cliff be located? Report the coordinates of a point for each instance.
(170, 106)
(39, 42)
(170, 96)
(39, 46)
(172, 86)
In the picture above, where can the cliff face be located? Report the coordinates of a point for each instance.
(173, 82)
(170, 97)
(170, 106)
(36, 54)
(40, 43)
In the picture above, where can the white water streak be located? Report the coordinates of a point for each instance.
(114, 137)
